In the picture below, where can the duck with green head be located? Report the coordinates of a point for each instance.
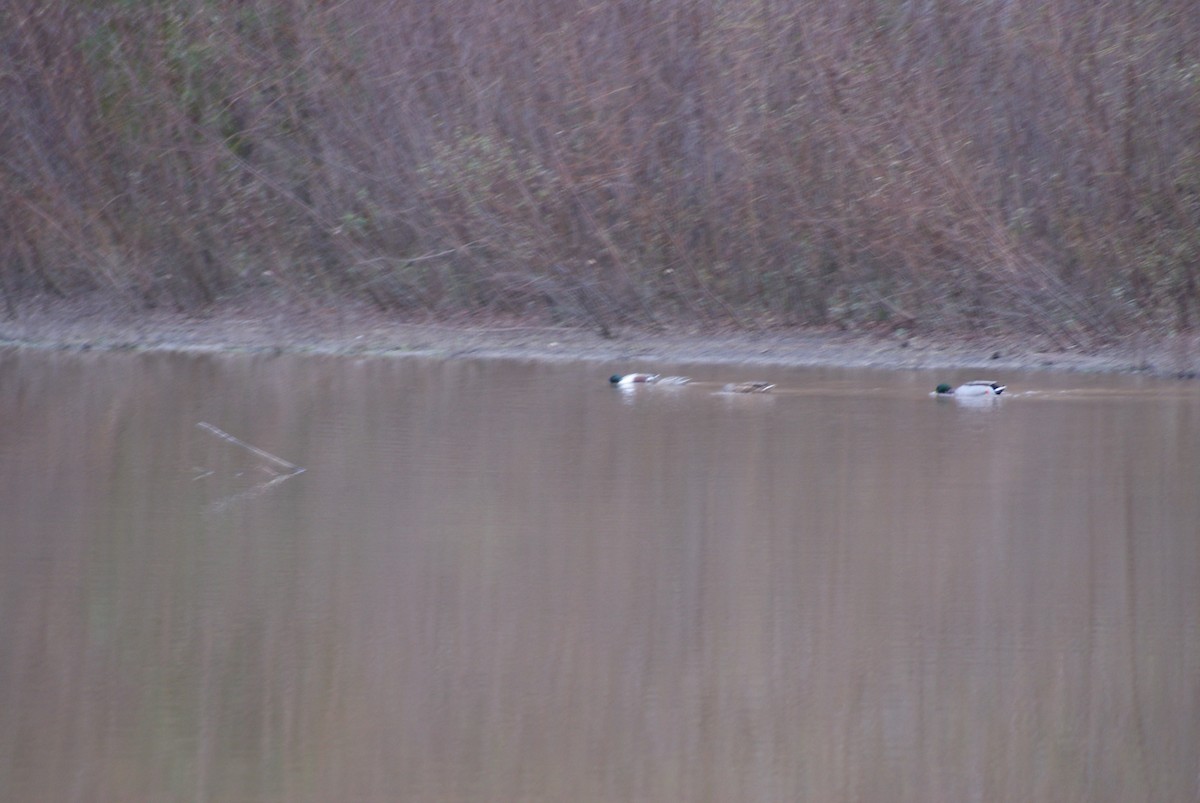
(976, 387)
(628, 380)
(632, 379)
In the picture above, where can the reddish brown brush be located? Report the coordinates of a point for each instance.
(1009, 166)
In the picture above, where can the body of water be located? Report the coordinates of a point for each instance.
(507, 580)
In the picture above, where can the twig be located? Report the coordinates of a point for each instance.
(279, 461)
(254, 490)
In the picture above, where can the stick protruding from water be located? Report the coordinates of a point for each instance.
(291, 468)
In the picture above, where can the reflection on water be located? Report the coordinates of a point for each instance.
(510, 581)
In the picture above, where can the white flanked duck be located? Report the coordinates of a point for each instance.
(628, 380)
(976, 387)
(631, 379)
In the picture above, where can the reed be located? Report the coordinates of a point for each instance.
(1019, 165)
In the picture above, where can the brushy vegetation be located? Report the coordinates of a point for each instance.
(946, 164)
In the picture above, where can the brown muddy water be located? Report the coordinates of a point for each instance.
(502, 581)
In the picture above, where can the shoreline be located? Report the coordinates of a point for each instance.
(357, 331)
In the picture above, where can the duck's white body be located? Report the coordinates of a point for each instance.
(629, 380)
(976, 387)
(632, 379)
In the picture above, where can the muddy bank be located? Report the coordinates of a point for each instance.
(309, 328)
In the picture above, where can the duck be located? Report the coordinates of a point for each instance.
(749, 387)
(976, 387)
(647, 379)
(632, 379)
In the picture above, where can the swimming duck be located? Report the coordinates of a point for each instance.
(632, 379)
(648, 379)
(749, 387)
(976, 387)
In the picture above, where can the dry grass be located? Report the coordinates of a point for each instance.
(1013, 165)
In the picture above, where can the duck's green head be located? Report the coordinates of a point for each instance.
(615, 378)
(942, 388)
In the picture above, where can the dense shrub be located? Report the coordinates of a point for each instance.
(939, 163)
